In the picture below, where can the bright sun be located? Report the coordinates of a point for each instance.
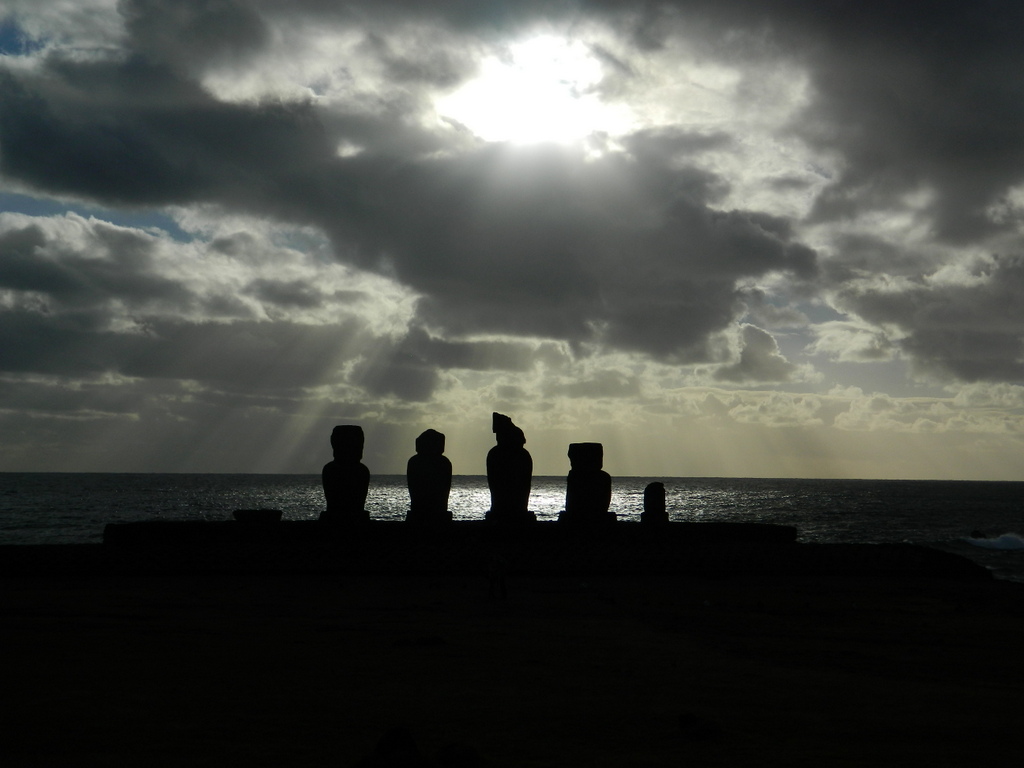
(544, 90)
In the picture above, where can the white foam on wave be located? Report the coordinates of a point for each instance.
(1006, 542)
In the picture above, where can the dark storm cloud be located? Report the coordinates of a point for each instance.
(516, 241)
(409, 368)
(84, 298)
(240, 355)
(286, 293)
(191, 33)
(34, 396)
(540, 241)
(913, 96)
(665, 145)
(118, 266)
(918, 95)
(243, 355)
(633, 250)
(67, 302)
(866, 254)
(423, 65)
(923, 103)
(68, 288)
(971, 331)
(474, 356)
(135, 133)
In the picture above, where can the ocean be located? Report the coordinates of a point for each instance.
(69, 508)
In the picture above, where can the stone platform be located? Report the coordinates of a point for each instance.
(546, 548)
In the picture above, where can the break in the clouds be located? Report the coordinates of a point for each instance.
(666, 224)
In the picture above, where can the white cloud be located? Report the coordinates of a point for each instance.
(851, 342)
(985, 395)
(779, 410)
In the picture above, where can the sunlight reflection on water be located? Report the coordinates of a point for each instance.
(66, 508)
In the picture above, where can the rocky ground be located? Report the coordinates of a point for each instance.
(671, 670)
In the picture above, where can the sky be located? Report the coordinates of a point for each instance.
(747, 239)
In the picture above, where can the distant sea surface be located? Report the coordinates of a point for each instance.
(68, 508)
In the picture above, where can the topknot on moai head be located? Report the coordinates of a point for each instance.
(430, 441)
(586, 455)
(505, 431)
(347, 442)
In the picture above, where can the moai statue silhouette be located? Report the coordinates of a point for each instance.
(588, 488)
(346, 479)
(654, 505)
(509, 474)
(429, 474)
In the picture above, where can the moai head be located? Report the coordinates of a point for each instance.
(586, 456)
(347, 443)
(507, 433)
(430, 442)
(654, 498)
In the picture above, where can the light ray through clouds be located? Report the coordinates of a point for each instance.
(541, 89)
(724, 239)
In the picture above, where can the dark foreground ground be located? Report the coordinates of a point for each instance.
(671, 670)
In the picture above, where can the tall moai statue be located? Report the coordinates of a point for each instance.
(509, 474)
(588, 488)
(346, 479)
(429, 474)
(654, 505)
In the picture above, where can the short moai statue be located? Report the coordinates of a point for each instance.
(509, 474)
(654, 505)
(429, 474)
(588, 488)
(346, 479)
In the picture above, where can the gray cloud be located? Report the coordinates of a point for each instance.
(850, 342)
(971, 330)
(635, 250)
(69, 283)
(286, 293)
(760, 360)
(242, 355)
(410, 368)
(83, 298)
(626, 250)
(556, 248)
(603, 384)
(193, 33)
(860, 254)
(916, 98)
(117, 266)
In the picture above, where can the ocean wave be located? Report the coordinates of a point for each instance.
(1006, 542)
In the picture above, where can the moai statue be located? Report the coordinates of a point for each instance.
(429, 474)
(588, 488)
(346, 479)
(654, 505)
(509, 474)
